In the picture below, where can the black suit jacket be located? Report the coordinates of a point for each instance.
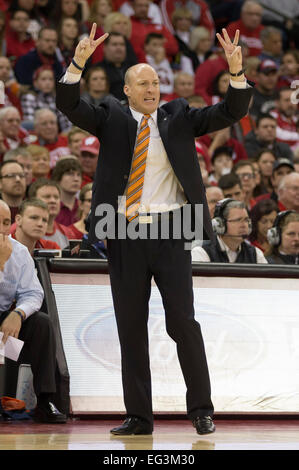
(178, 124)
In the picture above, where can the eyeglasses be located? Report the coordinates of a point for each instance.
(240, 219)
(249, 176)
(11, 176)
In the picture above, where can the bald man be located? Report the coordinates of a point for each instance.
(148, 172)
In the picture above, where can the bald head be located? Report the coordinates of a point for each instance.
(5, 218)
(142, 88)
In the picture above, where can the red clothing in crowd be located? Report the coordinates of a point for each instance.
(23, 139)
(286, 129)
(250, 37)
(41, 243)
(86, 179)
(15, 48)
(140, 29)
(239, 152)
(200, 13)
(56, 149)
(205, 75)
(74, 233)
(67, 216)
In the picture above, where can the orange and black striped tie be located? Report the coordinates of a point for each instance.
(136, 179)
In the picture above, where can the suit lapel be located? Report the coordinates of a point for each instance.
(132, 131)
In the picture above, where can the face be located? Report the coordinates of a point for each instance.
(121, 26)
(184, 86)
(88, 162)
(5, 69)
(290, 64)
(183, 24)
(51, 196)
(47, 43)
(5, 220)
(223, 83)
(69, 7)
(10, 124)
(75, 143)
(252, 16)
(69, 28)
(237, 222)
(141, 8)
(20, 22)
(143, 90)
(213, 196)
(71, 182)
(33, 223)
(279, 174)
(266, 130)
(235, 193)
(290, 239)
(274, 44)
(222, 165)
(26, 4)
(86, 204)
(104, 8)
(267, 81)
(13, 182)
(41, 165)
(266, 163)
(204, 45)
(97, 82)
(247, 178)
(26, 162)
(265, 223)
(154, 46)
(115, 49)
(285, 104)
(45, 81)
(289, 195)
(47, 128)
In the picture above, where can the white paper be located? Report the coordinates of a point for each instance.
(12, 347)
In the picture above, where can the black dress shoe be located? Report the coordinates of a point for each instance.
(132, 425)
(48, 413)
(204, 425)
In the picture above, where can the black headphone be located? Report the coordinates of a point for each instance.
(219, 222)
(274, 233)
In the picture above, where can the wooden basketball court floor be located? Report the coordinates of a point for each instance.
(84, 434)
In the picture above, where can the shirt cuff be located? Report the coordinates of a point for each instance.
(70, 78)
(240, 85)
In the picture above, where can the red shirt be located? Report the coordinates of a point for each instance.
(57, 149)
(250, 37)
(200, 13)
(41, 243)
(74, 233)
(66, 216)
(239, 152)
(286, 129)
(205, 75)
(16, 48)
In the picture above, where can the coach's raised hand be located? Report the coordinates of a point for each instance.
(85, 49)
(233, 53)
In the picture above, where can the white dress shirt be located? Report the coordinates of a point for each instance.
(19, 282)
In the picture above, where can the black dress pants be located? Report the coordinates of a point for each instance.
(132, 264)
(39, 350)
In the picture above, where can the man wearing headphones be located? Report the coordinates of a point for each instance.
(232, 225)
(283, 238)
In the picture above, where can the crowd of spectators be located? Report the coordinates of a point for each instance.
(44, 158)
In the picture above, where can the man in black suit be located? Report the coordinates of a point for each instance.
(172, 179)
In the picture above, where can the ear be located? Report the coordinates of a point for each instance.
(18, 220)
(127, 90)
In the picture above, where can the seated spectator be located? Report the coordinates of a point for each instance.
(281, 168)
(89, 152)
(46, 130)
(70, 9)
(22, 156)
(288, 192)
(96, 85)
(245, 171)
(232, 225)
(264, 136)
(43, 96)
(75, 138)
(183, 87)
(31, 226)
(11, 87)
(286, 118)
(156, 58)
(265, 160)
(10, 125)
(78, 229)
(68, 38)
(216, 139)
(141, 27)
(206, 73)
(272, 44)
(222, 163)
(289, 70)
(29, 6)
(19, 283)
(40, 161)
(186, 59)
(68, 174)
(12, 185)
(201, 15)
(262, 217)
(231, 187)
(99, 11)
(201, 43)
(220, 86)
(250, 26)
(115, 64)
(44, 53)
(213, 194)
(283, 238)
(265, 91)
(18, 40)
(49, 191)
(154, 11)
